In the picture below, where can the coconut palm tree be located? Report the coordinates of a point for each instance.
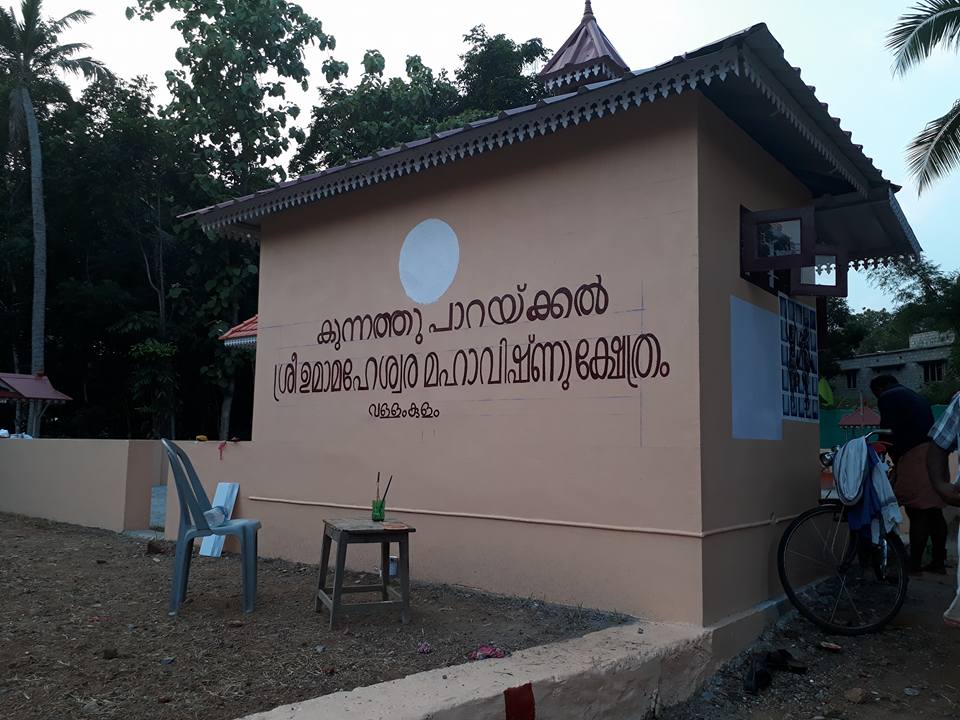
(31, 59)
(928, 25)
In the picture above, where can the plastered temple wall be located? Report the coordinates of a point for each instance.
(750, 487)
(536, 345)
(541, 416)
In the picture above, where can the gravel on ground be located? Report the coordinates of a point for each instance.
(909, 670)
(84, 631)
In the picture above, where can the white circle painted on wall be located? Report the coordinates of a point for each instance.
(429, 260)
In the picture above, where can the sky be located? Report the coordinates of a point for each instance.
(838, 44)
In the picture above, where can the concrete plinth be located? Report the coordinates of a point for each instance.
(622, 672)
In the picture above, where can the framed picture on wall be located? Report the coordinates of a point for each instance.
(781, 239)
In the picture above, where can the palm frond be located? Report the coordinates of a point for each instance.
(88, 67)
(30, 34)
(77, 16)
(30, 12)
(928, 25)
(31, 26)
(60, 52)
(8, 32)
(936, 150)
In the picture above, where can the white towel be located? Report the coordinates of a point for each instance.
(889, 507)
(850, 465)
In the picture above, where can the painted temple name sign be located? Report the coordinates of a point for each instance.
(628, 358)
(625, 358)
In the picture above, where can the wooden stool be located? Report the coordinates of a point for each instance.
(352, 530)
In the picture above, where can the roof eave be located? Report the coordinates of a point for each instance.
(754, 55)
(241, 217)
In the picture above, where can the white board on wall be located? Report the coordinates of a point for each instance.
(755, 372)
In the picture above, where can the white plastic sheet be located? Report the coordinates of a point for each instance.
(225, 497)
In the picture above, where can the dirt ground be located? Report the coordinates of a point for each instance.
(84, 631)
(910, 670)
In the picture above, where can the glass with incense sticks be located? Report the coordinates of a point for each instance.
(380, 504)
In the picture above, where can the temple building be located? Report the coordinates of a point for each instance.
(582, 335)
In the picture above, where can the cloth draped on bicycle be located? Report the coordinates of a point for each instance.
(863, 485)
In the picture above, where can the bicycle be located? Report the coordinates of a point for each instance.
(835, 577)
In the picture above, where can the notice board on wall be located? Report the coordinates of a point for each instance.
(755, 372)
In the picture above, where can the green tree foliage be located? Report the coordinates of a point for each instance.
(924, 291)
(108, 250)
(493, 78)
(352, 122)
(129, 322)
(929, 25)
(137, 298)
(845, 334)
(229, 95)
(929, 299)
(884, 330)
(229, 106)
(926, 298)
(30, 58)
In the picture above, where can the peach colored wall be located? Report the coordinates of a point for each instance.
(600, 494)
(146, 467)
(618, 201)
(598, 568)
(744, 481)
(99, 483)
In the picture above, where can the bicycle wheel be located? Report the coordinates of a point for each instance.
(844, 584)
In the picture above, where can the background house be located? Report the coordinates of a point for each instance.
(925, 361)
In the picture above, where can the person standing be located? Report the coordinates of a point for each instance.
(944, 436)
(909, 418)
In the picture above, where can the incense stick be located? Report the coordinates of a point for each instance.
(388, 488)
(378, 486)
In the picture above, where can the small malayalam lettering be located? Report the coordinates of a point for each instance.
(393, 411)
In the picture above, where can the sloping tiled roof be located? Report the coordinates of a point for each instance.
(861, 417)
(587, 53)
(14, 386)
(243, 334)
(745, 75)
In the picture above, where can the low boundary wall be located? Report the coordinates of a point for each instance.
(97, 483)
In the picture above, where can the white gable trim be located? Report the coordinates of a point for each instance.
(598, 72)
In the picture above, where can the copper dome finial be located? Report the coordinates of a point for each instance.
(587, 56)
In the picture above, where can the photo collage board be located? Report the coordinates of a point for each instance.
(800, 381)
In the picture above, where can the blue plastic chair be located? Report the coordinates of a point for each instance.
(193, 503)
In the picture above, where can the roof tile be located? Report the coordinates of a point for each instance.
(248, 328)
